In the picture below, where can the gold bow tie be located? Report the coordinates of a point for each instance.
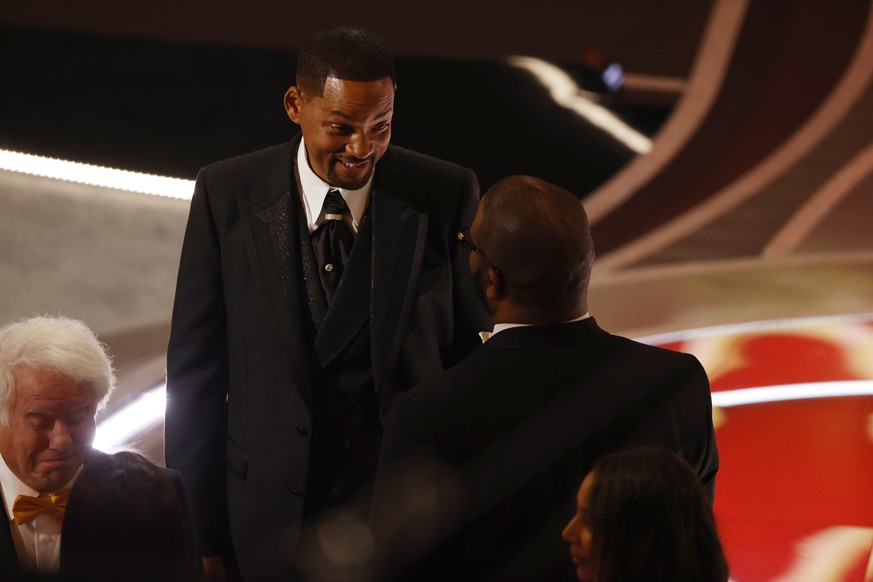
(26, 507)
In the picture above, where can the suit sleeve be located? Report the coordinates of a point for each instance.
(408, 433)
(471, 315)
(704, 458)
(197, 376)
(413, 490)
(187, 517)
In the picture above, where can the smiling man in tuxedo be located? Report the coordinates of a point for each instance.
(318, 279)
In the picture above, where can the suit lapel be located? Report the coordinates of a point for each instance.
(399, 232)
(275, 266)
(9, 563)
(8, 556)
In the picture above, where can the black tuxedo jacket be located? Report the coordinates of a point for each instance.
(500, 443)
(10, 566)
(239, 371)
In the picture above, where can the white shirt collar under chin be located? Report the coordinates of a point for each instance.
(498, 327)
(315, 191)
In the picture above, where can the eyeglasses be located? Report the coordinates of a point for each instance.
(467, 243)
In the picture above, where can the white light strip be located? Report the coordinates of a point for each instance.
(753, 327)
(141, 415)
(147, 411)
(567, 93)
(96, 175)
(761, 395)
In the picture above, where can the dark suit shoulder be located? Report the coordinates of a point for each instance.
(252, 161)
(261, 176)
(436, 164)
(546, 359)
(426, 163)
(420, 179)
(655, 354)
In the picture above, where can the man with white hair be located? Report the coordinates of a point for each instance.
(54, 377)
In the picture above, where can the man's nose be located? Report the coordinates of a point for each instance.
(60, 438)
(360, 145)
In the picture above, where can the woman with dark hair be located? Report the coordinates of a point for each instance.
(643, 516)
(126, 520)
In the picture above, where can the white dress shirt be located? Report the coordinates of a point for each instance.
(37, 542)
(313, 191)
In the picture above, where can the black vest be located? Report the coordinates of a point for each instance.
(346, 431)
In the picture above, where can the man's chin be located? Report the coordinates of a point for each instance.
(54, 475)
(341, 176)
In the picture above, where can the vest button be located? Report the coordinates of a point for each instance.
(302, 430)
(328, 267)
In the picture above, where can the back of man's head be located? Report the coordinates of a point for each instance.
(346, 53)
(56, 344)
(537, 235)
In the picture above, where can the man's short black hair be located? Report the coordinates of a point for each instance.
(346, 53)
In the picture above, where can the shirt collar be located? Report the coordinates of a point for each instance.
(314, 191)
(498, 327)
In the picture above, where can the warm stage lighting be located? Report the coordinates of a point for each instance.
(764, 394)
(135, 419)
(96, 175)
(567, 93)
(147, 411)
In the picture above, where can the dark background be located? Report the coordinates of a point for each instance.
(168, 107)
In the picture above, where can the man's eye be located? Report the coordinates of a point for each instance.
(339, 129)
(77, 417)
(40, 422)
(381, 127)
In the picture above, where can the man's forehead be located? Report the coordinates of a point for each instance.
(31, 375)
(49, 385)
(377, 91)
(334, 82)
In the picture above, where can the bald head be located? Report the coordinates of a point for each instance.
(537, 235)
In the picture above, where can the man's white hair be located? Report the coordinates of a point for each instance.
(57, 344)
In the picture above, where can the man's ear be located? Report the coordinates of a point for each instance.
(293, 101)
(496, 285)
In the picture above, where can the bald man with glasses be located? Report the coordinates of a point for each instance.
(479, 466)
